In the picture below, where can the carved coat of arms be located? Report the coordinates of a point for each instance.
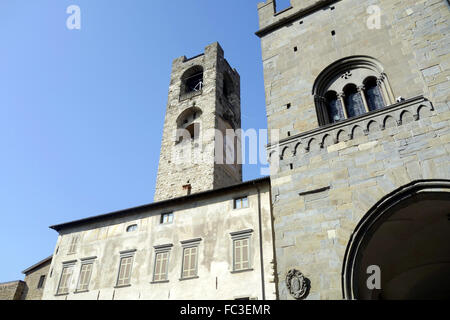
(297, 284)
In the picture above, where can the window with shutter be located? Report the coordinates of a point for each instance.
(125, 271)
(190, 262)
(64, 282)
(73, 245)
(241, 254)
(161, 266)
(85, 277)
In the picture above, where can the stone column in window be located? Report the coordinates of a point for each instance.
(363, 97)
(322, 110)
(385, 88)
(341, 97)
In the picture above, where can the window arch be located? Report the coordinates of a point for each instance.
(192, 80)
(188, 125)
(351, 87)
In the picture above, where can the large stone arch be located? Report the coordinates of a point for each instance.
(407, 235)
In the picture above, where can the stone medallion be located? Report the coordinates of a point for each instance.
(297, 284)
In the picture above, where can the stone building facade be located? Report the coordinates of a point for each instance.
(364, 119)
(35, 279)
(12, 290)
(32, 287)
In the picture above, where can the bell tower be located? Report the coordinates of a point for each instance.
(197, 151)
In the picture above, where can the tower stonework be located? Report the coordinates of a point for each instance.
(360, 93)
(203, 103)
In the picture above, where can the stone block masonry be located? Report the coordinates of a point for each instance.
(330, 175)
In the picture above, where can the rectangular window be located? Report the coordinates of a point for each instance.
(241, 254)
(161, 266)
(64, 282)
(125, 271)
(189, 262)
(166, 218)
(73, 245)
(241, 203)
(85, 277)
(41, 282)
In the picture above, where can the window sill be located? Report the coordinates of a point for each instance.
(189, 95)
(124, 286)
(241, 271)
(78, 292)
(157, 282)
(240, 209)
(190, 278)
(61, 294)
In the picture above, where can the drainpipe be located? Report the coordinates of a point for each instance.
(261, 244)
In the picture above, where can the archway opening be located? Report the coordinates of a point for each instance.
(407, 239)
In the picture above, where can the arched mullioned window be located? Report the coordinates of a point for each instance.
(350, 88)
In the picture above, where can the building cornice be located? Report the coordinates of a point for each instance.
(160, 204)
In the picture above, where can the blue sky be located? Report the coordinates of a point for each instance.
(81, 111)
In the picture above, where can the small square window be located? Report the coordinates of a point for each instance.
(166, 218)
(241, 203)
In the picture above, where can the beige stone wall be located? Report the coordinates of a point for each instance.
(412, 45)
(196, 165)
(11, 290)
(362, 160)
(211, 218)
(31, 291)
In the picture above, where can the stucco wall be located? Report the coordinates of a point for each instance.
(210, 218)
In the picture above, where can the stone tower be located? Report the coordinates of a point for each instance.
(203, 103)
(360, 93)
